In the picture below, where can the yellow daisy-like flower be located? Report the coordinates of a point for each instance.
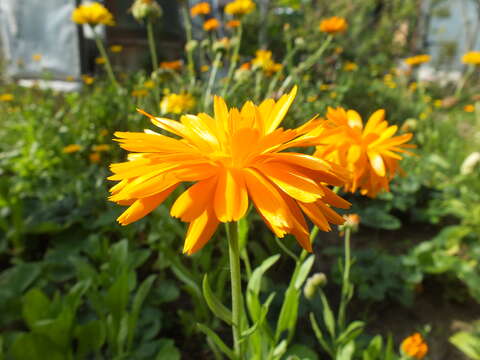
(72, 148)
(177, 103)
(6, 97)
(417, 60)
(37, 57)
(87, 79)
(469, 108)
(471, 57)
(171, 65)
(211, 153)
(263, 59)
(240, 7)
(100, 60)
(116, 48)
(333, 25)
(211, 24)
(93, 14)
(350, 66)
(415, 346)
(370, 152)
(231, 24)
(202, 8)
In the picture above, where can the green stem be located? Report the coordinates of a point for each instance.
(153, 54)
(188, 31)
(463, 81)
(237, 299)
(233, 60)
(346, 286)
(305, 65)
(103, 52)
(211, 80)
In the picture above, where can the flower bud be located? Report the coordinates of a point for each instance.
(314, 282)
(142, 9)
(470, 163)
(300, 42)
(191, 45)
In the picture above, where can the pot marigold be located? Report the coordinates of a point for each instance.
(333, 25)
(414, 346)
(211, 24)
(230, 158)
(471, 57)
(370, 152)
(417, 60)
(202, 8)
(240, 7)
(93, 14)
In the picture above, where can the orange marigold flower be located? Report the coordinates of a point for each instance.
(232, 24)
(116, 48)
(472, 57)
(370, 152)
(417, 60)
(202, 8)
(415, 346)
(171, 65)
(469, 108)
(246, 66)
(263, 59)
(6, 97)
(211, 154)
(211, 24)
(71, 148)
(333, 25)
(93, 14)
(94, 157)
(100, 60)
(240, 7)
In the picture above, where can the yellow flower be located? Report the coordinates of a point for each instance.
(415, 346)
(324, 87)
(232, 24)
(149, 84)
(6, 97)
(263, 60)
(417, 60)
(312, 98)
(116, 48)
(472, 57)
(350, 66)
(103, 132)
(204, 68)
(338, 50)
(93, 14)
(36, 57)
(202, 8)
(171, 65)
(333, 25)
(101, 147)
(413, 86)
(333, 94)
(211, 24)
(88, 80)
(71, 148)
(69, 78)
(94, 157)
(100, 60)
(370, 152)
(139, 93)
(211, 154)
(177, 103)
(240, 7)
(438, 103)
(469, 108)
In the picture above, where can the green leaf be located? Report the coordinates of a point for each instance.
(304, 271)
(214, 303)
(167, 350)
(117, 296)
(346, 352)
(288, 313)
(35, 347)
(138, 301)
(91, 337)
(351, 332)
(256, 279)
(280, 349)
(319, 335)
(328, 317)
(373, 351)
(302, 352)
(263, 315)
(217, 341)
(468, 343)
(36, 307)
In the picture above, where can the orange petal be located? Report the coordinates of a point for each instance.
(143, 206)
(377, 163)
(193, 201)
(279, 111)
(231, 198)
(200, 231)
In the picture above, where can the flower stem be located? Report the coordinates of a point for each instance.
(233, 60)
(237, 299)
(346, 286)
(211, 80)
(103, 52)
(153, 54)
(188, 32)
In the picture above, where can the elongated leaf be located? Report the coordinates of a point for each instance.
(468, 343)
(138, 300)
(351, 332)
(319, 335)
(328, 315)
(263, 315)
(256, 279)
(217, 341)
(288, 313)
(304, 271)
(280, 349)
(215, 304)
(346, 352)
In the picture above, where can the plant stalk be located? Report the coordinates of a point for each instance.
(153, 54)
(237, 299)
(233, 60)
(103, 52)
(346, 286)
